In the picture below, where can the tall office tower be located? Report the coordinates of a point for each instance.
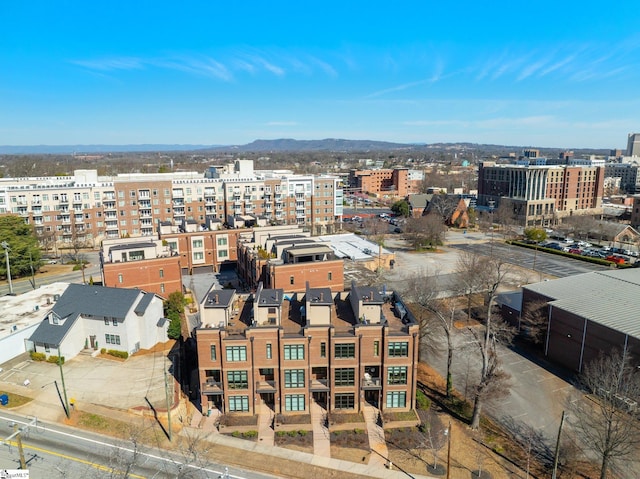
(633, 144)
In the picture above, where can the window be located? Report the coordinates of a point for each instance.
(396, 399)
(222, 241)
(293, 351)
(346, 350)
(344, 401)
(345, 377)
(197, 243)
(294, 402)
(115, 322)
(112, 339)
(106, 321)
(198, 255)
(213, 352)
(223, 253)
(162, 287)
(237, 379)
(291, 280)
(323, 350)
(397, 350)
(120, 278)
(268, 350)
(376, 348)
(239, 403)
(161, 273)
(329, 276)
(294, 378)
(236, 353)
(397, 375)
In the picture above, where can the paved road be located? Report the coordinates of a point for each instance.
(53, 451)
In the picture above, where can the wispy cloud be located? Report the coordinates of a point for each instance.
(282, 123)
(109, 64)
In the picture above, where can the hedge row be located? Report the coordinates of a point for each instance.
(588, 259)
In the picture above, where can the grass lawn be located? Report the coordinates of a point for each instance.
(15, 400)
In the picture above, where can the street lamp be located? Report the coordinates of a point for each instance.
(5, 245)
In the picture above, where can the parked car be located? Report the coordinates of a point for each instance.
(575, 251)
(616, 259)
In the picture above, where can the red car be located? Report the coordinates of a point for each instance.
(575, 251)
(616, 259)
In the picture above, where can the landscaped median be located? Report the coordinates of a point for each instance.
(566, 254)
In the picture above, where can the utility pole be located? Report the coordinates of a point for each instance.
(17, 434)
(557, 453)
(5, 245)
(33, 276)
(64, 388)
(449, 451)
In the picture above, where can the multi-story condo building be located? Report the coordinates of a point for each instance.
(628, 173)
(541, 195)
(383, 182)
(288, 258)
(86, 208)
(286, 350)
(633, 144)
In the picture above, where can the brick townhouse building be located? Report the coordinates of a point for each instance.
(285, 350)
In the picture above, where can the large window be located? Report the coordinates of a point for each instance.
(112, 338)
(294, 378)
(222, 241)
(344, 401)
(294, 351)
(236, 353)
(399, 350)
(294, 402)
(197, 243)
(345, 377)
(237, 379)
(396, 399)
(397, 375)
(346, 350)
(239, 403)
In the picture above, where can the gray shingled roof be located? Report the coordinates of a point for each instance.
(270, 297)
(609, 298)
(320, 296)
(219, 298)
(86, 300)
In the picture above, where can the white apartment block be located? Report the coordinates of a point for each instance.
(85, 208)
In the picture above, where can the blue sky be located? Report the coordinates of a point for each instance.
(541, 73)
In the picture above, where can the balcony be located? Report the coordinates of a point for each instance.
(319, 385)
(369, 382)
(266, 386)
(212, 387)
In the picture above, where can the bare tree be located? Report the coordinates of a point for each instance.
(426, 230)
(468, 268)
(493, 381)
(606, 418)
(533, 325)
(427, 292)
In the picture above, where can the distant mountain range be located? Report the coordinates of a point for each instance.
(279, 145)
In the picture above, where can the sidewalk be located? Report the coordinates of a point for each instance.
(266, 434)
(375, 432)
(321, 438)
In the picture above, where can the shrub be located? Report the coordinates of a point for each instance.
(422, 400)
(118, 354)
(103, 351)
(281, 433)
(250, 434)
(54, 359)
(302, 433)
(292, 433)
(235, 434)
(37, 356)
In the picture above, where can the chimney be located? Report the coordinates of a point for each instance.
(321, 296)
(217, 298)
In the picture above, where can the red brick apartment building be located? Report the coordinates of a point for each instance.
(393, 182)
(339, 350)
(287, 258)
(141, 263)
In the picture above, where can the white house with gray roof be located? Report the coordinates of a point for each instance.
(88, 316)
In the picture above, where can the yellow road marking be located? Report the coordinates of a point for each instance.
(75, 459)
